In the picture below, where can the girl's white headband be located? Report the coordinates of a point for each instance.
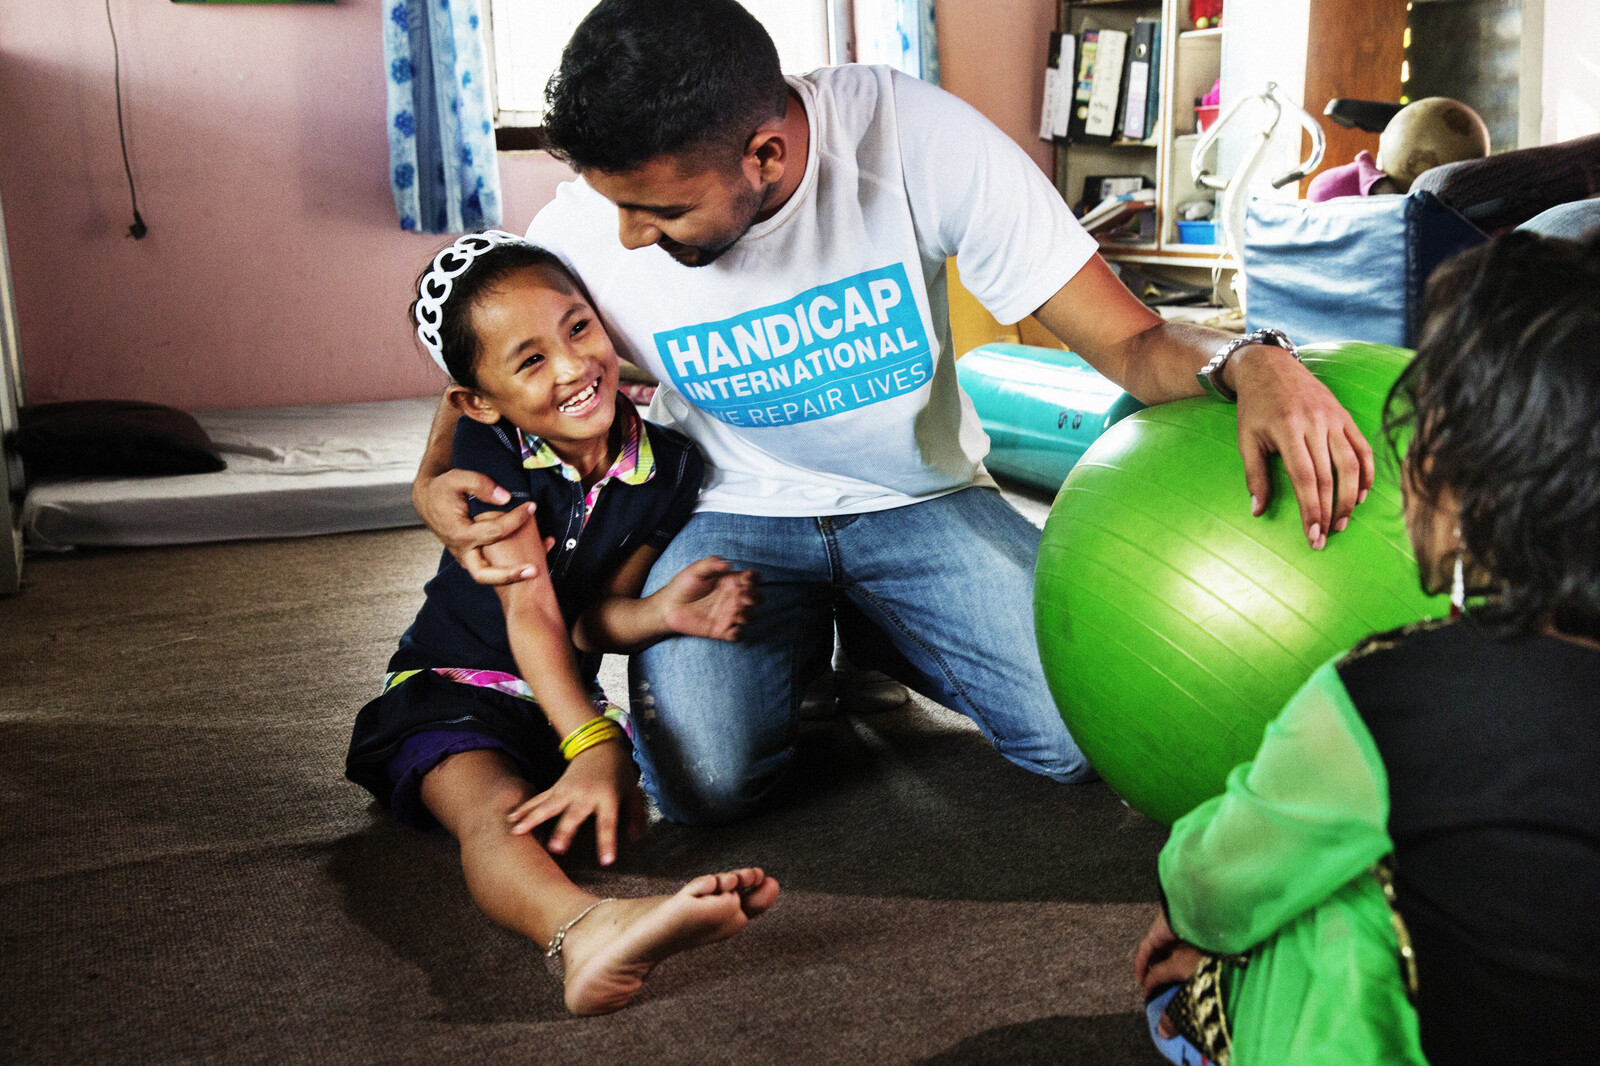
(434, 289)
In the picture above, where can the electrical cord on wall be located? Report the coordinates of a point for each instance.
(138, 229)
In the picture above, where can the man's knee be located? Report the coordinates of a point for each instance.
(704, 767)
(1067, 766)
(1042, 745)
(1073, 770)
(708, 788)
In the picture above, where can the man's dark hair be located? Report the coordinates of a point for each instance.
(1503, 406)
(646, 78)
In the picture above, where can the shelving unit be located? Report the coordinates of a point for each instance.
(1313, 49)
(1190, 60)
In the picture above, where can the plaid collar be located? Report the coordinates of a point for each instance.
(635, 464)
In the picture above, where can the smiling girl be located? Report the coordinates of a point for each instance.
(491, 723)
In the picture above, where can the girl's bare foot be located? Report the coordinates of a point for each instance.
(609, 953)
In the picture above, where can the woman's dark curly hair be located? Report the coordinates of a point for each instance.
(1502, 404)
(458, 340)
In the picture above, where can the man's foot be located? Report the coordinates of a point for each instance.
(609, 953)
(820, 701)
(863, 691)
(851, 690)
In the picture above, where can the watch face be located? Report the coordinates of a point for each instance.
(1277, 337)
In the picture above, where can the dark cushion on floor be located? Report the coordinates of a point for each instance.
(112, 438)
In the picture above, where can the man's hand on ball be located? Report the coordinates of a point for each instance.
(1283, 409)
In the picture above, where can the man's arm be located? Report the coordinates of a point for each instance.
(439, 495)
(1282, 407)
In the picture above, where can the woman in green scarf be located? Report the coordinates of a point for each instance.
(1409, 870)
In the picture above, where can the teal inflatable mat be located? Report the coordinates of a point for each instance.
(1042, 408)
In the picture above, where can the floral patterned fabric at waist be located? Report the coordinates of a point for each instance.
(512, 685)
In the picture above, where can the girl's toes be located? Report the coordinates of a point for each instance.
(704, 885)
(756, 901)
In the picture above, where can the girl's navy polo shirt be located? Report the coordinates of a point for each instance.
(462, 623)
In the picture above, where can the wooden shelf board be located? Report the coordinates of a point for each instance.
(1204, 256)
(1108, 144)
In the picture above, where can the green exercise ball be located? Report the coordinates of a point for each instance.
(1173, 626)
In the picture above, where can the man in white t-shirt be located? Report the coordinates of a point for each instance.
(773, 250)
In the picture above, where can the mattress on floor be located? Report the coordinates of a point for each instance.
(292, 471)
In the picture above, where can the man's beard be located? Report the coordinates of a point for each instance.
(699, 255)
(696, 255)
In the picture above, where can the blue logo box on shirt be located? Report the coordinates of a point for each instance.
(833, 348)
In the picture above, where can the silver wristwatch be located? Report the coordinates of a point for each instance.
(1210, 375)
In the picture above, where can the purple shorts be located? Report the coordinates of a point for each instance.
(420, 753)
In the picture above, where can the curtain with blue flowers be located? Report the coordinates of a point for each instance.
(442, 163)
(899, 33)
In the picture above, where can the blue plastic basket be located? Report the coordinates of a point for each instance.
(1197, 232)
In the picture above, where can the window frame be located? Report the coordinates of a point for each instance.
(522, 131)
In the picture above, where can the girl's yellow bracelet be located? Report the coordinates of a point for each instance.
(594, 731)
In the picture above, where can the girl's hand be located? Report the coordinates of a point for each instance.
(709, 599)
(601, 783)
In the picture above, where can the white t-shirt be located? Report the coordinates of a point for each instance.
(811, 362)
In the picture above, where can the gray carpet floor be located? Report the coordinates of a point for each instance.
(185, 876)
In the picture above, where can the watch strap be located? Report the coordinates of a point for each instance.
(1210, 375)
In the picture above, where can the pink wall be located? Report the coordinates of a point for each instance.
(992, 54)
(274, 272)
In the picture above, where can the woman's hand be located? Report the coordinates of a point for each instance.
(709, 599)
(601, 783)
(1163, 959)
(441, 503)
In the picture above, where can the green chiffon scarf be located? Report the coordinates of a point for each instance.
(1280, 867)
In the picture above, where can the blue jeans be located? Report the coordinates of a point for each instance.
(938, 594)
